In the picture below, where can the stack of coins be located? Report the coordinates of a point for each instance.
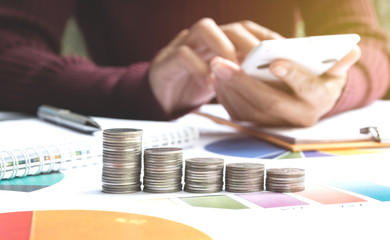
(163, 170)
(244, 177)
(122, 155)
(204, 175)
(285, 179)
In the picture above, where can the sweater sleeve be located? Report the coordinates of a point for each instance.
(369, 78)
(32, 72)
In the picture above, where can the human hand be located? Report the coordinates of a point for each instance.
(180, 75)
(246, 35)
(301, 101)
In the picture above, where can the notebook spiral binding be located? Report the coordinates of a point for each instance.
(26, 161)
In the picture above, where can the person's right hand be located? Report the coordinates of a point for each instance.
(298, 99)
(180, 75)
(301, 99)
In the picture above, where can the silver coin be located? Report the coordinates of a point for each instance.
(285, 180)
(285, 172)
(122, 155)
(203, 175)
(244, 177)
(163, 169)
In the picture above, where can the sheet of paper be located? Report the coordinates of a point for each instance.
(80, 189)
(339, 128)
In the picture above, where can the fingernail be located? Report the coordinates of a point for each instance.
(221, 71)
(279, 71)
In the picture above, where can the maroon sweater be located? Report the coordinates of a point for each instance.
(123, 36)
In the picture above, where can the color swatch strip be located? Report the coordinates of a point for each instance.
(369, 189)
(326, 195)
(214, 201)
(272, 199)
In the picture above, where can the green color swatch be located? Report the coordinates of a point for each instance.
(215, 201)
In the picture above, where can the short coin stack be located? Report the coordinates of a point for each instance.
(163, 170)
(285, 179)
(204, 175)
(244, 177)
(122, 155)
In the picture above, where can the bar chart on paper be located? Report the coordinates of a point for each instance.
(342, 193)
(338, 194)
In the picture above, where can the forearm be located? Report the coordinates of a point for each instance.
(369, 78)
(367, 81)
(30, 77)
(32, 72)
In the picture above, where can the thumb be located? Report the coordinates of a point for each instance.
(291, 73)
(303, 83)
(342, 66)
(224, 69)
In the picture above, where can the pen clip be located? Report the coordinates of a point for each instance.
(374, 131)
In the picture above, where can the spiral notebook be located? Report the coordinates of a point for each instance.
(32, 146)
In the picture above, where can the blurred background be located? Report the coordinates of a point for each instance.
(383, 11)
(73, 42)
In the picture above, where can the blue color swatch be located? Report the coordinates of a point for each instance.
(369, 189)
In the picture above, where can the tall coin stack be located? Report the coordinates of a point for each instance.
(163, 170)
(204, 175)
(285, 180)
(122, 159)
(244, 177)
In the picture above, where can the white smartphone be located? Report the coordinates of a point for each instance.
(317, 53)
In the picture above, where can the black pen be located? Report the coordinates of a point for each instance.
(67, 118)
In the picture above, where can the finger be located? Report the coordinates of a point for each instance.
(207, 33)
(247, 110)
(303, 83)
(224, 99)
(342, 66)
(252, 98)
(205, 53)
(222, 91)
(316, 94)
(259, 31)
(243, 40)
(193, 64)
(223, 95)
(182, 61)
(203, 90)
(191, 83)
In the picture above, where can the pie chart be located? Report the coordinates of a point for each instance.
(31, 183)
(90, 224)
(248, 147)
(244, 147)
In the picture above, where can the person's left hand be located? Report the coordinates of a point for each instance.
(180, 76)
(303, 100)
(245, 35)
